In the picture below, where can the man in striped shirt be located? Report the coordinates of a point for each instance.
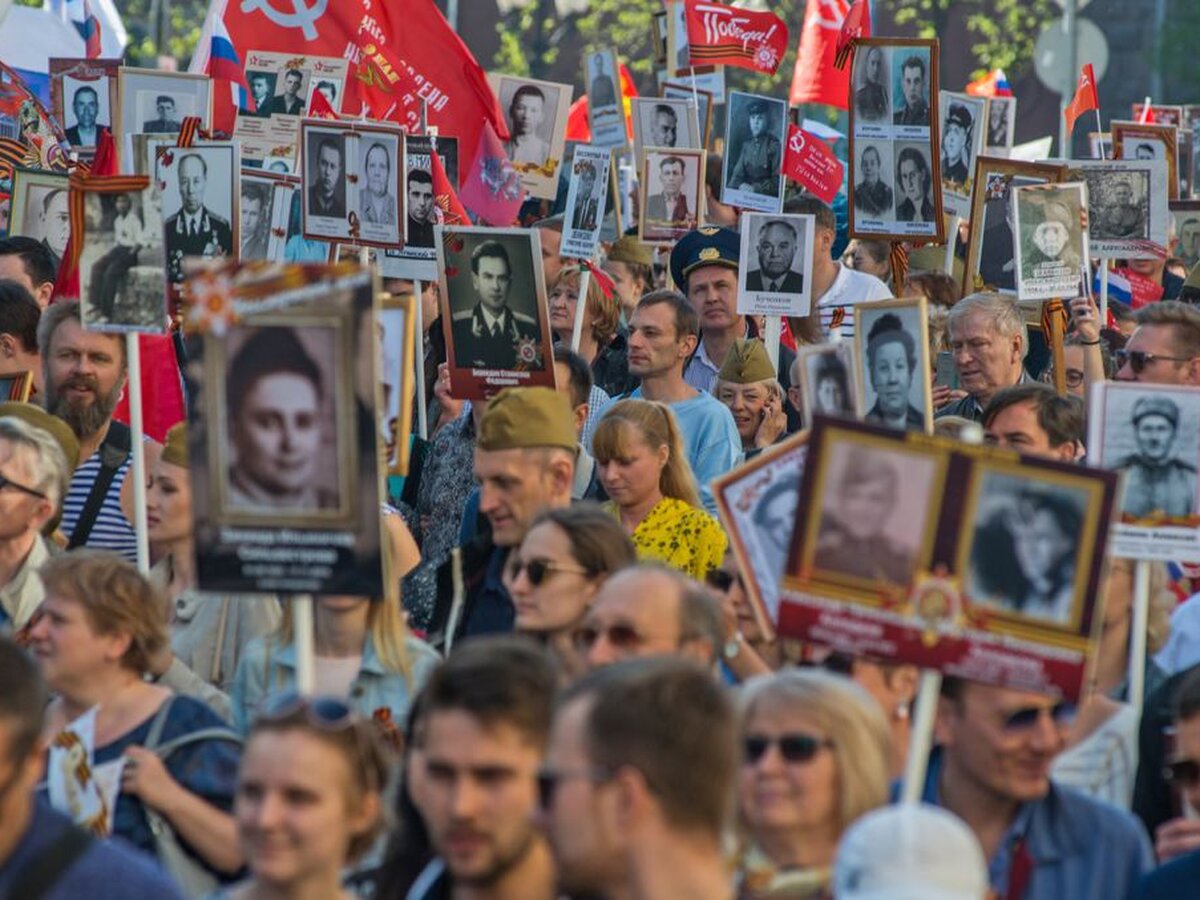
(84, 376)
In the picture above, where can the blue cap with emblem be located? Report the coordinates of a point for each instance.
(708, 245)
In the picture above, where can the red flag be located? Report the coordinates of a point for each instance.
(857, 24)
(444, 196)
(731, 36)
(816, 79)
(810, 162)
(1085, 97)
(319, 106)
(385, 86)
(493, 189)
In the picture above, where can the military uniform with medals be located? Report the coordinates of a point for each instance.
(479, 344)
(205, 235)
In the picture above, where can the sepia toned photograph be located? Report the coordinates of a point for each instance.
(1139, 141)
(156, 102)
(1002, 124)
(962, 119)
(672, 190)
(587, 196)
(666, 122)
(1052, 240)
(776, 254)
(83, 96)
(606, 106)
(755, 128)
(200, 191)
(892, 350)
(828, 381)
(1127, 207)
(536, 115)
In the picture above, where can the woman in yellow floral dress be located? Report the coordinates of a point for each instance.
(639, 453)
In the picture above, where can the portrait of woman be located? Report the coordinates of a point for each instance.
(913, 181)
(872, 195)
(831, 387)
(891, 364)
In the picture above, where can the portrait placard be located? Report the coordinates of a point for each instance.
(1127, 207)
(587, 198)
(536, 114)
(1100, 144)
(962, 118)
(1150, 433)
(423, 207)
(679, 65)
(83, 97)
(776, 251)
(200, 195)
(606, 105)
(493, 309)
(40, 209)
(991, 245)
(151, 101)
(755, 127)
(1138, 141)
(674, 90)
(829, 384)
(891, 341)
(895, 161)
(671, 193)
(397, 325)
(757, 505)
(264, 207)
(296, 344)
(1160, 114)
(16, 386)
(1002, 124)
(667, 122)
(970, 560)
(1052, 240)
(1185, 226)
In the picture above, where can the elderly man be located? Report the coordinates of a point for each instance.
(1033, 419)
(194, 230)
(525, 463)
(1155, 480)
(1165, 346)
(989, 340)
(748, 386)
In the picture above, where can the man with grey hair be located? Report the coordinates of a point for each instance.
(33, 471)
(989, 341)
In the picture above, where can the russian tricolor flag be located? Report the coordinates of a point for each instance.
(1119, 287)
(993, 84)
(224, 65)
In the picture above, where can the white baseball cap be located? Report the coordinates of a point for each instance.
(909, 852)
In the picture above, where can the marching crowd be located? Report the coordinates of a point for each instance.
(575, 698)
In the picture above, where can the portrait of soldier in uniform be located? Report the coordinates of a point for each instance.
(195, 230)
(1157, 480)
(757, 167)
(167, 122)
(956, 145)
(488, 334)
(871, 98)
(872, 196)
(915, 92)
(1120, 217)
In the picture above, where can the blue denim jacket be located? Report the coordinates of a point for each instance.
(1080, 847)
(374, 686)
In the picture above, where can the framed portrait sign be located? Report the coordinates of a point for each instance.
(353, 184)
(991, 255)
(397, 325)
(606, 105)
(83, 97)
(679, 54)
(1150, 433)
(1185, 226)
(674, 90)
(967, 559)
(963, 119)
(1160, 114)
(1002, 125)
(1186, 157)
(1051, 240)
(265, 206)
(587, 198)
(1138, 141)
(41, 209)
(895, 160)
(777, 251)
(493, 309)
(666, 122)
(416, 259)
(536, 114)
(151, 101)
(16, 386)
(1127, 206)
(755, 128)
(199, 190)
(1100, 144)
(299, 344)
(757, 505)
(829, 381)
(672, 191)
(891, 340)
(122, 259)
(660, 37)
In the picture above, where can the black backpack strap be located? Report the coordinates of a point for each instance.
(113, 453)
(46, 868)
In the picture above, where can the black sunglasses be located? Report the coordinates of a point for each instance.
(8, 482)
(324, 713)
(538, 570)
(795, 748)
(1183, 772)
(549, 779)
(721, 580)
(1062, 712)
(1139, 359)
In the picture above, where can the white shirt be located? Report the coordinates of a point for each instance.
(850, 287)
(127, 230)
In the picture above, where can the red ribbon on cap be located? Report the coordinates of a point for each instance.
(607, 285)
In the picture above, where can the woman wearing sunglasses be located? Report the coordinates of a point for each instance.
(639, 452)
(309, 798)
(816, 755)
(565, 557)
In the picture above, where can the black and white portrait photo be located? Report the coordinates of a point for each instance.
(1024, 554)
(587, 196)
(397, 329)
(323, 172)
(673, 90)
(199, 203)
(914, 185)
(666, 122)
(828, 380)
(154, 102)
(380, 197)
(1002, 118)
(1139, 141)
(262, 91)
(606, 108)
(910, 90)
(671, 187)
(872, 93)
(1052, 242)
(962, 140)
(1127, 206)
(874, 198)
(754, 131)
(893, 363)
(536, 114)
(121, 264)
(1185, 216)
(422, 212)
(40, 209)
(290, 93)
(991, 251)
(83, 97)
(776, 251)
(494, 310)
(876, 507)
(255, 214)
(329, 88)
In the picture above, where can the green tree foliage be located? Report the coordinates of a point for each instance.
(530, 35)
(1004, 31)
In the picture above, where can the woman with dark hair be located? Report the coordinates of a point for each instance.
(891, 367)
(913, 182)
(831, 387)
(1023, 557)
(274, 394)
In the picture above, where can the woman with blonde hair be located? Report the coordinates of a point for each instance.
(817, 754)
(602, 341)
(639, 453)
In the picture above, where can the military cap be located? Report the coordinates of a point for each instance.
(1156, 406)
(746, 362)
(958, 115)
(527, 417)
(175, 448)
(629, 249)
(53, 425)
(757, 108)
(708, 245)
(1057, 211)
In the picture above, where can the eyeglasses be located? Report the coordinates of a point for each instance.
(721, 580)
(537, 570)
(622, 636)
(795, 748)
(548, 781)
(6, 482)
(1139, 359)
(1183, 772)
(1062, 712)
(323, 713)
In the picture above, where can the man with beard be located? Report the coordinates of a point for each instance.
(484, 722)
(1156, 481)
(422, 210)
(84, 374)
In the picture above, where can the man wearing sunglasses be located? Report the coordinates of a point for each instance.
(480, 740)
(989, 340)
(1042, 840)
(1165, 346)
(634, 804)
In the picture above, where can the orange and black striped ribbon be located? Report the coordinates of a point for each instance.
(899, 260)
(189, 131)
